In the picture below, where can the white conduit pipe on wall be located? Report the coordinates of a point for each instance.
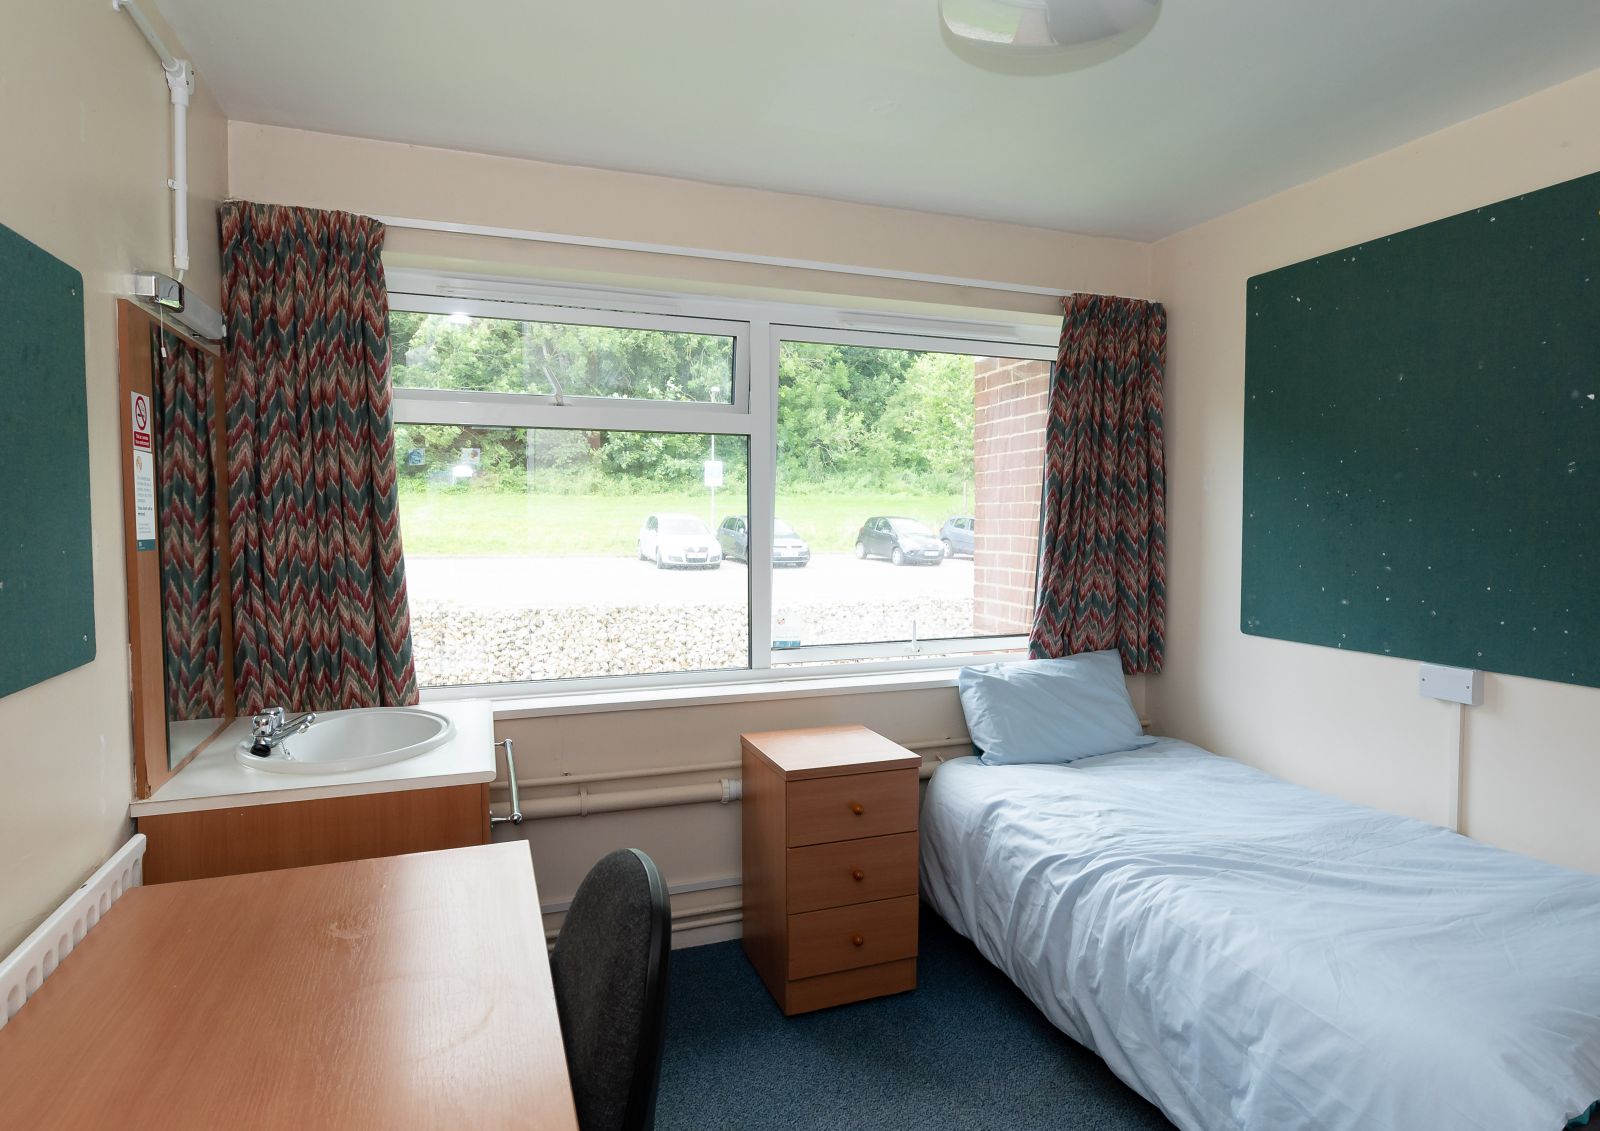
(180, 84)
(723, 791)
(711, 915)
(624, 775)
(585, 803)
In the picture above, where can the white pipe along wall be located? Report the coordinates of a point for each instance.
(690, 922)
(642, 743)
(724, 790)
(180, 84)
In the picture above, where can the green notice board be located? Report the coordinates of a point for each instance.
(1422, 442)
(46, 571)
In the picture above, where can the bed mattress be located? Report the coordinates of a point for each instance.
(1250, 954)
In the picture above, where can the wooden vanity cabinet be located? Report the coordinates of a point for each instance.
(325, 830)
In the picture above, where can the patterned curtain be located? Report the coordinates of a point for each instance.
(320, 615)
(1102, 556)
(191, 554)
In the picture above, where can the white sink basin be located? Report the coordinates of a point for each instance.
(341, 741)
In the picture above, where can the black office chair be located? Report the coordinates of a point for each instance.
(610, 970)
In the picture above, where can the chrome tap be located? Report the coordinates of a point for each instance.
(271, 726)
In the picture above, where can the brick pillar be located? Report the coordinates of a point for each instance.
(1010, 406)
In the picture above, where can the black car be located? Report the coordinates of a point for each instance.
(788, 548)
(904, 541)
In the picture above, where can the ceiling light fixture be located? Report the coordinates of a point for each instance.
(1044, 36)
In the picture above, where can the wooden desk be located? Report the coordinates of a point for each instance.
(405, 992)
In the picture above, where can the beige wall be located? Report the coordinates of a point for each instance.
(85, 139)
(693, 844)
(286, 166)
(1354, 724)
(697, 843)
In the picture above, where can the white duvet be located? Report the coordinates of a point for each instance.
(1249, 954)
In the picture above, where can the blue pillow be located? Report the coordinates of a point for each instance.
(1049, 710)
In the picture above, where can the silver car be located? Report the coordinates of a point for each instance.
(678, 540)
(788, 548)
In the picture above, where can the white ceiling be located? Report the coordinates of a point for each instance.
(1226, 101)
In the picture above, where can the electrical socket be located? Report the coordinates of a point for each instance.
(1453, 685)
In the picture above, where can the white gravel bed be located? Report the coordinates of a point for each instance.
(455, 643)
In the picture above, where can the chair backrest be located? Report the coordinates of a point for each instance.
(610, 970)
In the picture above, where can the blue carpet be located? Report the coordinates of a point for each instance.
(964, 1051)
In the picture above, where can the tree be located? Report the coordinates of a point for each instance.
(437, 351)
(821, 429)
(849, 417)
(926, 427)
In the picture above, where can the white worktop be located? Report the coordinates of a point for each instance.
(216, 780)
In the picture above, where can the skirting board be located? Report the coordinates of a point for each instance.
(690, 935)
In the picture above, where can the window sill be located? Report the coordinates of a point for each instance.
(708, 694)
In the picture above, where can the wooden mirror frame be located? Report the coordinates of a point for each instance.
(136, 374)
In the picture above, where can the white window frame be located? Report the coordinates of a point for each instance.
(758, 329)
(877, 339)
(465, 406)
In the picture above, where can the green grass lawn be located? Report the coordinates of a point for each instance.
(485, 523)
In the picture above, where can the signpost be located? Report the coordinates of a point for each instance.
(713, 481)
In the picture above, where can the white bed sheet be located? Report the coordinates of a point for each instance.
(1249, 954)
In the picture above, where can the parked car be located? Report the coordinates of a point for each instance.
(904, 541)
(788, 548)
(957, 536)
(678, 540)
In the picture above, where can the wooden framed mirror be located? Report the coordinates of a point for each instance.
(175, 541)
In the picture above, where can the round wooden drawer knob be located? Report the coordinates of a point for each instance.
(858, 940)
(857, 874)
(857, 808)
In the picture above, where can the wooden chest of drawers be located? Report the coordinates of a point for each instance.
(830, 864)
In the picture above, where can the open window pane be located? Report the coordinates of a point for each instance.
(913, 479)
(537, 554)
(502, 355)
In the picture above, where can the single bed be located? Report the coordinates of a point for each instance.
(1250, 954)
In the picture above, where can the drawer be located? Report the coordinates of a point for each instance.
(852, 871)
(852, 806)
(861, 934)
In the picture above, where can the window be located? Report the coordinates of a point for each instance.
(459, 352)
(885, 458)
(537, 554)
(582, 487)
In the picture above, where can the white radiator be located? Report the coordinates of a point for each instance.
(24, 970)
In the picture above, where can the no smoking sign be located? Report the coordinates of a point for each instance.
(141, 422)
